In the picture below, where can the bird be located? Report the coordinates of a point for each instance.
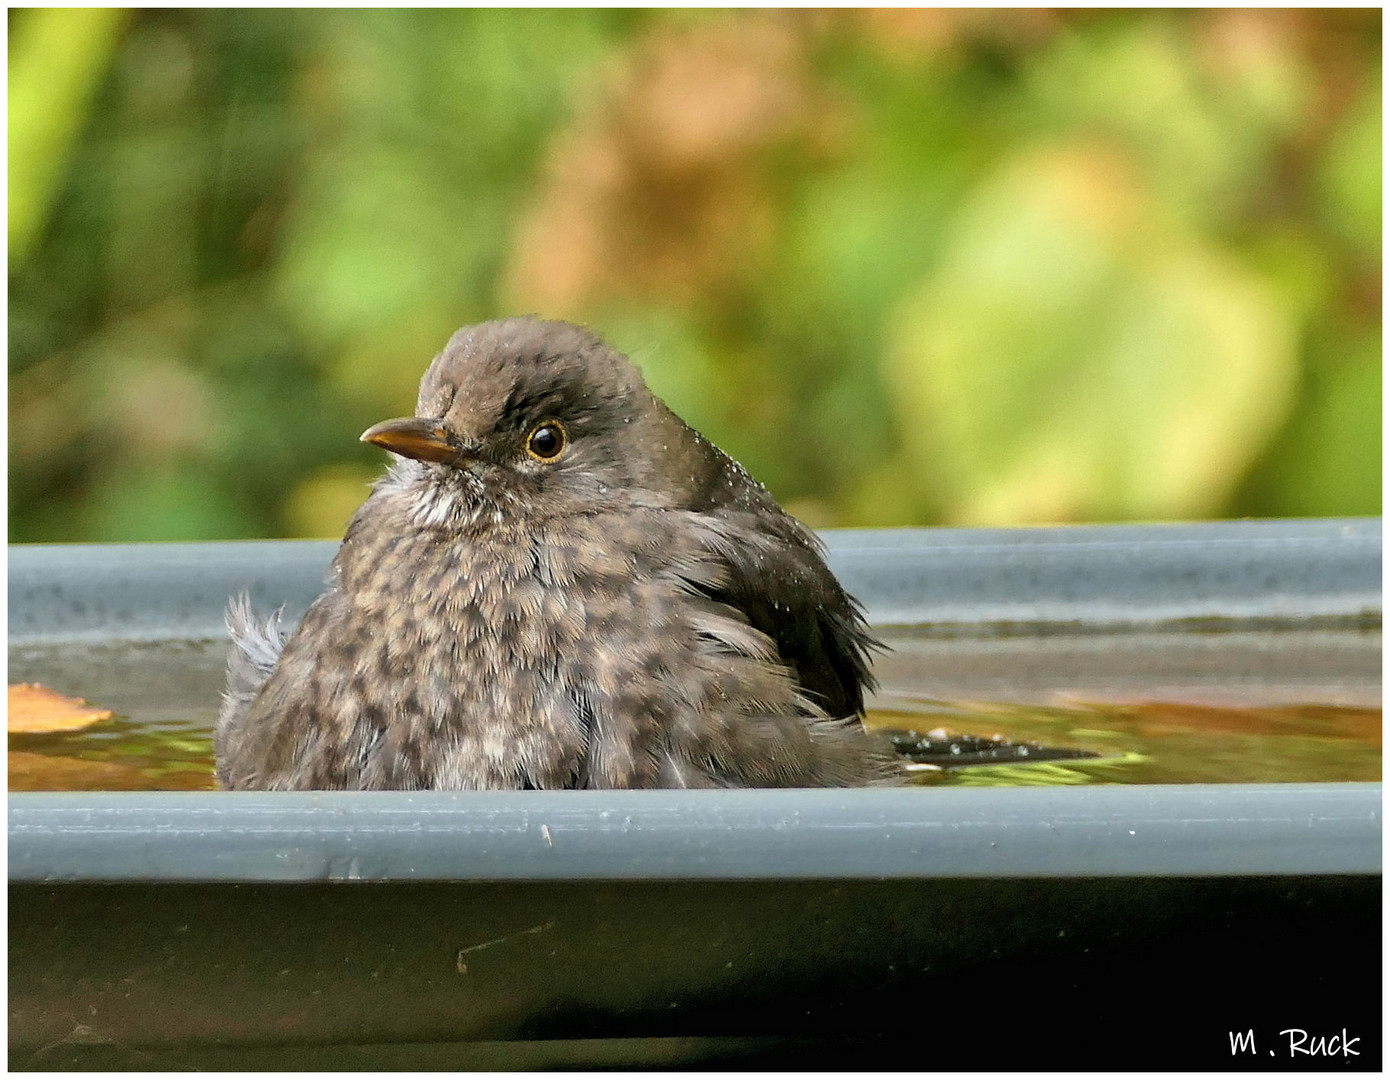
(557, 583)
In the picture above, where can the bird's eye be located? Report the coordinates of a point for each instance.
(547, 441)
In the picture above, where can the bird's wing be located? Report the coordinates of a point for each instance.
(777, 578)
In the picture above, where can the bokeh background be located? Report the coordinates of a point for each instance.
(911, 267)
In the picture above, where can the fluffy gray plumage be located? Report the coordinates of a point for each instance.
(631, 610)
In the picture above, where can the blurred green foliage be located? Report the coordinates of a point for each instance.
(909, 266)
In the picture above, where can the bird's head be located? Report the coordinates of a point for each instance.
(528, 418)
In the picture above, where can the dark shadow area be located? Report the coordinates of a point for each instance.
(953, 974)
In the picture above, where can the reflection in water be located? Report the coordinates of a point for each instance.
(1163, 742)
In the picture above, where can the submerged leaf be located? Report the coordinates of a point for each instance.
(51, 772)
(35, 709)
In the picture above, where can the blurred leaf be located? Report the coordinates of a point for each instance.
(1198, 102)
(33, 708)
(159, 501)
(321, 504)
(57, 59)
(1351, 175)
(1132, 79)
(677, 365)
(239, 235)
(1327, 461)
(1074, 356)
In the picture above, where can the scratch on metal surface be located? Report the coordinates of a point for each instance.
(463, 967)
(82, 1035)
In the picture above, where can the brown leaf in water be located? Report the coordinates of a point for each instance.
(48, 772)
(34, 709)
(1156, 718)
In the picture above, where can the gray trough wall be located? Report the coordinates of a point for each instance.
(1090, 577)
(1094, 578)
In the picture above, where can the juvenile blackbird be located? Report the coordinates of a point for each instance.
(557, 584)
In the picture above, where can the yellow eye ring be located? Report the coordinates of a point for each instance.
(547, 441)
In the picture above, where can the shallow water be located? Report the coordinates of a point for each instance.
(1234, 707)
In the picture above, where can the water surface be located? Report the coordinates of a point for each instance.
(1176, 707)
